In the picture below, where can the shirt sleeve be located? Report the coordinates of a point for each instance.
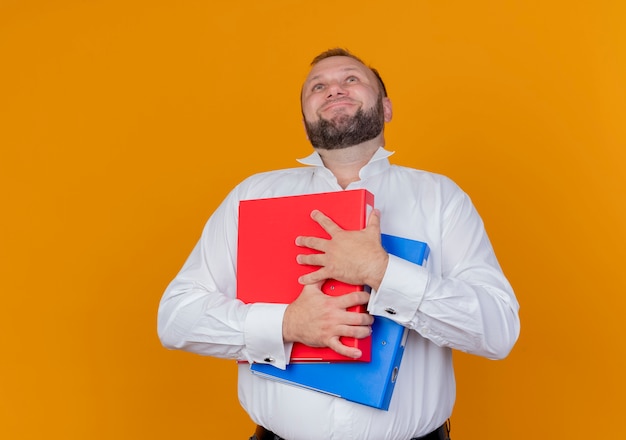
(199, 311)
(463, 300)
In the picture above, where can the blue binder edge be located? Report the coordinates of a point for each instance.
(370, 383)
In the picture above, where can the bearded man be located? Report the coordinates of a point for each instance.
(462, 300)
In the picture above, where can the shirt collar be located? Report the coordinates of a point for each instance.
(378, 163)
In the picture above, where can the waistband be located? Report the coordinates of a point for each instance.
(441, 433)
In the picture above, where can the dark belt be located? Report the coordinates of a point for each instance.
(441, 433)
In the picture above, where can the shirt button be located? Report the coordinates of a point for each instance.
(269, 359)
(390, 310)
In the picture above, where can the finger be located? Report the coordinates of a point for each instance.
(315, 243)
(311, 259)
(356, 331)
(351, 299)
(325, 222)
(314, 277)
(318, 276)
(344, 350)
(316, 287)
(358, 319)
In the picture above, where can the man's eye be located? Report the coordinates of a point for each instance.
(317, 87)
(352, 79)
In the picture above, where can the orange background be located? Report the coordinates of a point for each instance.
(123, 124)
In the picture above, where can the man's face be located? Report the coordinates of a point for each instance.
(342, 104)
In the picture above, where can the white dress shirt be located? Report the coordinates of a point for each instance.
(461, 300)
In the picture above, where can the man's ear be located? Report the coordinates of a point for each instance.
(387, 109)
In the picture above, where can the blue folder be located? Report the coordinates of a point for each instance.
(369, 383)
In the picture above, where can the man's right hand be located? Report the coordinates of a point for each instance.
(319, 320)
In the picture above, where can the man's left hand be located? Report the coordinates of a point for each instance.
(353, 257)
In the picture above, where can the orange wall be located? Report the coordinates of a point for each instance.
(124, 123)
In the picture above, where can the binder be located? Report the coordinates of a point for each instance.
(267, 270)
(372, 383)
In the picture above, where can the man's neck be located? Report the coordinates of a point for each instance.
(345, 163)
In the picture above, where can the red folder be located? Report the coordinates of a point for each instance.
(267, 270)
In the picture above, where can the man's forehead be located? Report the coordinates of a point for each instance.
(338, 63)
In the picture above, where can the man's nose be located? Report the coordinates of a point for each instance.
(335, 89)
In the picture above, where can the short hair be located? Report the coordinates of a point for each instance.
(340, 52)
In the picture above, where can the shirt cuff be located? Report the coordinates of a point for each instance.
(401, 291)
(263, 332)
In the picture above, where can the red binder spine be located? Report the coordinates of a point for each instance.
(335, 288)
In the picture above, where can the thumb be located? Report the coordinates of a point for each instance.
(373, 222)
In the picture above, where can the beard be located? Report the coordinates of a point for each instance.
(344, 131)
